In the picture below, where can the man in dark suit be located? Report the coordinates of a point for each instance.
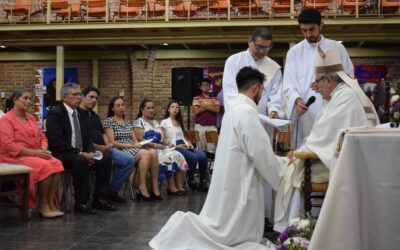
(69, 141)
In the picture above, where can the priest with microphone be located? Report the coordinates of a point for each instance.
(345, 105)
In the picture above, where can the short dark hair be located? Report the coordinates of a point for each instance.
(87, 90)
(261, 32)
(310, 16)
(17, 94)
(247, 76)
(205, 80)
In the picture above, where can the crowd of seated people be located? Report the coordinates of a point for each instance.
(79, 143)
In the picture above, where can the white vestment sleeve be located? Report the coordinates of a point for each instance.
(257, 146)
(275, 102)
(229, 78)
(290, 91)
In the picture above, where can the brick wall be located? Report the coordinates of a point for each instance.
(138, 79)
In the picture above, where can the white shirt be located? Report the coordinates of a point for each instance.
(298, 75)
(71, 120)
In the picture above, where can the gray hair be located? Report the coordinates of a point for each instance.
(332, 75)
(67, 88)
(17, 94)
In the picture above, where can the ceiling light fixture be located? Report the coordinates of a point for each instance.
(165, 44)
(3, 46)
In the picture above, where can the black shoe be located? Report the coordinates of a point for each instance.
(194, 185)
(155, 197)
(84, 209)
(103, 204)
(177, 193)
(141, 197)
(114, 196)
(203, 187)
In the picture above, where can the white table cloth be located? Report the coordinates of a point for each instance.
(362, 206)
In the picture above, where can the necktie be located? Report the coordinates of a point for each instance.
(78, 135)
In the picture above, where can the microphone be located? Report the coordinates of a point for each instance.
(310, 101)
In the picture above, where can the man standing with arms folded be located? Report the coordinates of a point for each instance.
(300, 73)
(206, 108)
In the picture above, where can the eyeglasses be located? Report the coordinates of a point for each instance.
(315, 84)
(261, 47)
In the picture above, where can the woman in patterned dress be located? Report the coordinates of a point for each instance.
(22, 142)
(120, 133)
(172, 163)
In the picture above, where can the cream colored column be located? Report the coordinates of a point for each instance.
(59, 71)
(95, 77)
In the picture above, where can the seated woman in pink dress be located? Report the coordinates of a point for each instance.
(22, 142)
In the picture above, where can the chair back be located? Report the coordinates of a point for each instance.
(282, 142)
(193, 137)
(211, 137)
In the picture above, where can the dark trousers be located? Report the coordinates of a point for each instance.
(193, 157)
(78, 167)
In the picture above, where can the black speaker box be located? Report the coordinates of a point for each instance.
(185, 83)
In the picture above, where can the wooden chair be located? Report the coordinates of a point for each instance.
(320, 5)
(73, 10)
(193, 137)
(390, 6)
(11, 172)
(350, 5)
(94, 8)
(211, 137)
(182, 9)
(19, 8)
(280, 6)
(131, 8)
(309, 187)
(247, 7)
(55, 6)
(220, 8)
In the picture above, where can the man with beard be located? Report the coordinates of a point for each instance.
(233, 214)
(300, 73)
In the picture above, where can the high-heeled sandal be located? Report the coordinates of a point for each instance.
(141, 197)
(156, 197)
(177, 193)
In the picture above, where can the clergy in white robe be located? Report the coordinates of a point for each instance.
(233, 214)
(271, 103)
(299, 73)
(346, 106)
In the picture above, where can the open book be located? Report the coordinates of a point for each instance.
(145, 142)
(276, 123)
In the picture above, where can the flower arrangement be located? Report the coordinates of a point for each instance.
(296, 235)
(395, 101)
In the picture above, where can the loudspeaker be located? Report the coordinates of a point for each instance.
(185, 83)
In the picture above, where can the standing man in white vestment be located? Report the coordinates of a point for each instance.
(346, 106)
(299, 73)
(256, 57)
(233, 214)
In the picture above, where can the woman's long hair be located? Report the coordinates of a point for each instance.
(110, 112)
(142, 105)
(178, 116)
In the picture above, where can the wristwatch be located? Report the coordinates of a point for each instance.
(109, 145)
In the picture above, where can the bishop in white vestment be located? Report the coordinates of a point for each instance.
(233, 214)
(346, 107)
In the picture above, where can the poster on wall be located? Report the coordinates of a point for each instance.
(215, 76)
(370, 76)
(49, 82)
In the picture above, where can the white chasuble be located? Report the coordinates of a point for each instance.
(344, 110)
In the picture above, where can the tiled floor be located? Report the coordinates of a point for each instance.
(130, 227)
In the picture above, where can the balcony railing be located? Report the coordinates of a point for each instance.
(56, 11)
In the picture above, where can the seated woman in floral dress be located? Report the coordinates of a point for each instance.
(22, 142)
(120, 133)
(172, 127)
(172, 163)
